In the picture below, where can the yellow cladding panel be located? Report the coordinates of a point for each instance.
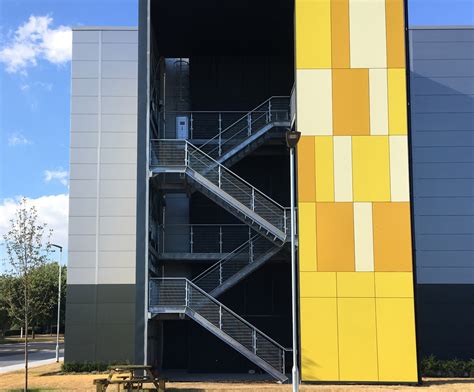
(396, 340)
(314, 97)
(378, 102)
(335, 233)
(367, 29)
(340, 34)
(399, 178)
(394, 284)
(342, 168)
(324, 156)
(395, 33)
(317, 284)
(306, 179)
(355, 285)
(313, 34)
(371, 172)
(363, 237)
(357, 339)
(307, 236)
(397, 102)
(319, 354)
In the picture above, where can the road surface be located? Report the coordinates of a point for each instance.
(12, 354)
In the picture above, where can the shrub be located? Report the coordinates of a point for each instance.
(83, 367)
(433, 367)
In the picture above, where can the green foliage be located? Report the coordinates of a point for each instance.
(87, 367)
(433, 367)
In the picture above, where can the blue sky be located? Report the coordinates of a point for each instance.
(34, 95)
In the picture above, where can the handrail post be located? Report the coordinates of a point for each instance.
(253, 199)
(186, 299)
(220, 134)
(251, 250)
(270, 110)
(249, 124)
(254, 341)
(220, 239)
(219, 175)
(191, 126)
(220, 317)
(220, 273)
(186, 157)
(191, 242)
(284, 221)
(283, 367)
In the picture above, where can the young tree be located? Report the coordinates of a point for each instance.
(27, 245)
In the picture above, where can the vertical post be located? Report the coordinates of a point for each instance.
(219, 175)
(249, 124)
(186, 299)
(252, 202)
(186, 157)
(294, 371)
(251, 250)
(283, 362)
(254, 340)
(191, 242)
(220, 317)
(220, 273)
(191, 126)
(220, 134)
(220, 239)
(59, 304)
(270, 110)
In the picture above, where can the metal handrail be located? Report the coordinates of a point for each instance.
(226, 257)
(220, 304)
(193, 147)
(244, 118)
(225, 236)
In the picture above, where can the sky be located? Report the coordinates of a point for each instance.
(35, 52)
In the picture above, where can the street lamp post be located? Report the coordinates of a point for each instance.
(59, 299)
(292, 138)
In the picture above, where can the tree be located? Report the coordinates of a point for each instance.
(27, 245)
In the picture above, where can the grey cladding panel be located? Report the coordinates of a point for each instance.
(443, 138)
(85, 36)
(463, 242)
(444, 85)
(443, 121)
(82, 51)
(444, 188)
(445, 275)
(443, 103)
(429, 258)
(120, 69)
(443, 170)
(443, 154)
(85, 87)
(440, 68)
(444, 206)
(443, 50)
(442, 35)
(120, 36)
(444, 224)
(85, 69)
(119, 52)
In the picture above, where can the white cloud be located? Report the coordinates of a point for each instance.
(60, 175)
(34, 40)
(17, 139)
(52, 210)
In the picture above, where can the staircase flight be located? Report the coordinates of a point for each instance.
(179, 295)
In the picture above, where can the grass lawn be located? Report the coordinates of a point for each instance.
(49, 378)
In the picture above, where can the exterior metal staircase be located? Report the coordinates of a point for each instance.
(180, 296)
(223, 186)
(234, 267)
(249, 132)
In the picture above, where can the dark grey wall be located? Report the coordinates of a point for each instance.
(442, 138)
(100, 323)
(442, 110)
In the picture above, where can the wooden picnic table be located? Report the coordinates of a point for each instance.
(131, 377)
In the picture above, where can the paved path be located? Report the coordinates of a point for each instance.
(40, 353)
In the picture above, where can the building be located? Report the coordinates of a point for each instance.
(179, 190)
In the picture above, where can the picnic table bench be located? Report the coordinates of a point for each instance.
(126, 376)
